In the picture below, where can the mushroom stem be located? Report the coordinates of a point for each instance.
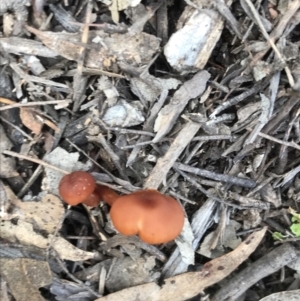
(106, 194)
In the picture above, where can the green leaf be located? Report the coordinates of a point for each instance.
(295, 228)
(277, 236)
(296, 216)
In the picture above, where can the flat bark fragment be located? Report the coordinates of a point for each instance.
(167, 117)
(165, 163)
(268, 264)
(188, 285)
(25, 277)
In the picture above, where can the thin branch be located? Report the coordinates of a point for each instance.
(17, 128)
(286, 143)
(31, 180)
(38, 161)
(244, 182)
(34, 103)
(79, 282)
(270, 41)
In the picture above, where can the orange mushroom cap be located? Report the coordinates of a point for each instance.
(76, 187)
(155, 217)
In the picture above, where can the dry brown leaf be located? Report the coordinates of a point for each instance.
(188, 285)
(51, 125)
(6, 101)
(23, 233)
(31, 120)
(44, 215)
(25, 276)
(67, 251)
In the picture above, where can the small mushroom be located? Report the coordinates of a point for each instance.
(76, 187)
(155, 217)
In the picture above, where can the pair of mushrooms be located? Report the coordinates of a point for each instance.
(155, 217)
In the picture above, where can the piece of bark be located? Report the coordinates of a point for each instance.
(168, 115)
(201, 221)
(188, 285)
(162, 22)
(19, 7)
(6, 91)
(25, 277)
(64, 18)
(292, 295)
(16, 251)
(35, 79)
(243, 182)
(165, 163)
(224, 10)
(8, 165)
(4, 202)
(78, 125)
(19, 46)
(148, 125)
(140, 15)
(269, 127)
(130, 49)
(190, 47)
(268, 264)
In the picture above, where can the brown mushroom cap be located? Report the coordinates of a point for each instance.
(155, 217)
(77, 186)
